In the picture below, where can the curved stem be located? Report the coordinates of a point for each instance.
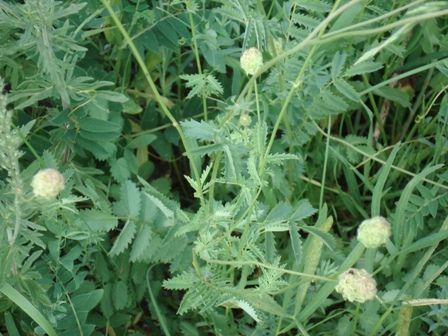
(196, 55)
(159, 314)
(317, 31)
(155, 91)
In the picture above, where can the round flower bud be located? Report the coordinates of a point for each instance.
(374, 232)
(47, 183)
(251, 61)
(356, 285)
(245, 120)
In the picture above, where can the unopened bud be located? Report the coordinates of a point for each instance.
(245, 120)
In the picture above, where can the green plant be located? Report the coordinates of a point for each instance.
(204, 191)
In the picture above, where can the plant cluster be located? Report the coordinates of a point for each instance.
(228, 167)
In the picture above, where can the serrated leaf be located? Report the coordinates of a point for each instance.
(253, 171)
(363, 68)
(306, 20)
(203, 130)
(141, 243)
(124, 238)
(296, 242)
(302, 210)
(242, 305)
(98, 221)
(130, 199)
(101, 150)
(181, 282)
(169, 213)
(120, 170)
(262, 301)
(346, 89)
(337, 64)
(394, 94)
(50, 160)
(202, 85)
(318, 6)
(25, 129)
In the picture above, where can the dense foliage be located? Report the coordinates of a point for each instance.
(153, 184)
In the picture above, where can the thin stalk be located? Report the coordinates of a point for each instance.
(307, 41)
(159, 314)
(372, 157)
(157, 95)
(257, 102)
(374, 20)
(417, 104)
(421, 116)
(319, 31)
(374, 31)
(403, 75)
(196, 55)
(267, 266)
(324, 173)
(410, 279)
(211, 192)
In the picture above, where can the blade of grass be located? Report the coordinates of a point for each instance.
(23, 303)
(410, 280)
(379, 186)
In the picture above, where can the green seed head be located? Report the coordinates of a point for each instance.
(374, 232)
(245, 120)
(251, 61)
(356, 285)
(47, 183)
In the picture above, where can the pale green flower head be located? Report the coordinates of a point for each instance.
(251, 61)
(245, 120)
(356, 285)
(374, 232)
(47, 183)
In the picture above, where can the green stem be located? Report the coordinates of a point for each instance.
(410, 279)
(307, 41)
(196, 55)
(320, 29)
(374, 158)
(211, 192)
(373, 31)
(324, 173)
(154, 89)
(403, 75)
(257, 102)
(159, 314)
(370, 259)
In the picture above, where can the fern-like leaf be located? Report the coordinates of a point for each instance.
(202, 85)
